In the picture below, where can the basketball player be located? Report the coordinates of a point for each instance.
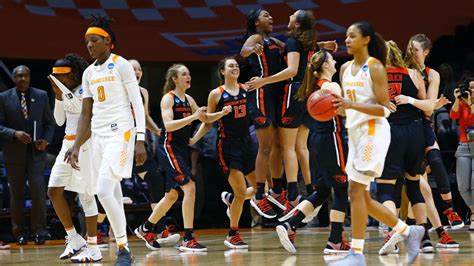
(418, 49)
(235, 148)
(367, 104)
(109, 87)
(178, 110)
(331, 154)
(67, 108)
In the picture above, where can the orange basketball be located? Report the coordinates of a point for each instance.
(320, 106)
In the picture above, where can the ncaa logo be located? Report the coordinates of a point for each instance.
(365, 67)
(80, 91)
(176, 100)
(111, 66)
(225, 95)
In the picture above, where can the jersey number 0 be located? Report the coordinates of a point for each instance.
(101, 93)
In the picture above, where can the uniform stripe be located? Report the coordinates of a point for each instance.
(288, 96)
(257, 95)
(170, 154)
(261, 99)
(340, 147)
(221, 156)
(371, 130)
(285, 95)
(115, 57)
(265, 65)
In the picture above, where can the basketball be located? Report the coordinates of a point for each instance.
(320, 105)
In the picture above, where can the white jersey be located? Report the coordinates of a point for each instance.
(358, 88)
(109, 85)
(68, 110)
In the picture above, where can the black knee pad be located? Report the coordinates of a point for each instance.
(319, 196)
(385, 192)
(414, 192)
(397, 195)
(438, 171)
(339, 202)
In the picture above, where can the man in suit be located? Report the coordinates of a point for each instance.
(26, 128)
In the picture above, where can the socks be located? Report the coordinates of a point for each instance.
(410, 221)
(426, 236)
(447, 207)
(277, 185)
(260, 191)
(335, 236)
(296, 220)
(357, 245)
(160, 225)
(292, 191)
(440, 231)
(402, 228)
(233, 231)
(309, 189)
(148, 226)
(188, 234)
(71, 232)
(91, 240)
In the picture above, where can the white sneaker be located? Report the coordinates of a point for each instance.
(73, 245)
(167, 238)
(90, 253)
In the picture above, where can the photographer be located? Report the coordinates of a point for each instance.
(463, 111)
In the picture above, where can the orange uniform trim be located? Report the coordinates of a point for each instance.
(261, 99)
(62, 70)
(171, 153)
(224, 166)
(97, 31)
(285, 98)
(371, 131)
(265, 65)
(339, 145)
(114, 59)
(70, 137)
(126, 135)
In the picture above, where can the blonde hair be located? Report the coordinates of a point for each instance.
(394, 55)
(170, 74)
(314, 64)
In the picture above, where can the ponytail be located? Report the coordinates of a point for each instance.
(170, 74)
(314, 65)
(376, 46)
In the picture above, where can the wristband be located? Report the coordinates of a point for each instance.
(140, 136)
(411, 100)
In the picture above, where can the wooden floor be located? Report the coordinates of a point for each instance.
(264, 248)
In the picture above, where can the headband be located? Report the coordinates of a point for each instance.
(62, 70)
(97, 31)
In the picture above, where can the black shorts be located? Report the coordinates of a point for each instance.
(328, 151)
(176, 164)
(292, 110)
(237, 154)
(428, 129)
(406, 151)
(262, 105)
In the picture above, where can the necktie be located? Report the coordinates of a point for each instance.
(24, 107)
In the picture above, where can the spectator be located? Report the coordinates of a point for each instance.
(447, 82)
(462, 111)
(26, 126)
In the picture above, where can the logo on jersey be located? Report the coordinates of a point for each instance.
(225, 95)
(114, 127)
(341, 179)
(69, 96)
(287, 120)
(80, 91)
(111, 66)
(365, 67)
(260, 120)
(176, 100)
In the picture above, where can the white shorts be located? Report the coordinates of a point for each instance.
(368, 145)
(63, 175)
(112, 157)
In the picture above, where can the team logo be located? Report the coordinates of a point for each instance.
(69, 96)
(225, 95)
(114, 127)
(111, 66)
(287, 120)
(176, 100)
(260, 120)
(341, 179)
(365, 67)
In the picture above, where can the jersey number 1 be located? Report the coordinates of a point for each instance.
(240, 111)
(101, 93)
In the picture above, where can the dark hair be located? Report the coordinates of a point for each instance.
(221, 66)
(16, 69)
(376, 46)
(75, 62)
(104, 23)
(170, 74)
(314, 64)
(305, 33)
(410, 59)
(252, 18)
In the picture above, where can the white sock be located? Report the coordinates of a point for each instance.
(71, 232)
(402, 228)
(92, 240)
(357, 245)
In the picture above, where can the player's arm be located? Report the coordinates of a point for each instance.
(167, 114)
(213, 99)
(289, 72)
(421, 102)
(254, 44)
(433, 88)
(280, 44)
(150, 124)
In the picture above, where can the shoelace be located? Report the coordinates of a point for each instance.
(150, 237)
(446, 238)
(67, 240)
(344, 245)
(292, 237)
(282, 198)
(452, 216)
(165, 233)
(236, 239)
(192, 243)
(263, 205)
(289, 207)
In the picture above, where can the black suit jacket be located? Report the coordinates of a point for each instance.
(11, 120)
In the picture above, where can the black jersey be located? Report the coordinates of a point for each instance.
(333, 125)
(181, 109)
(293, 45)
(400, 82)
(235, 124)
(268, 63)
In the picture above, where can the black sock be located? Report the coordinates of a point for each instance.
(188, 234)
(160, 225)
(335, 236)
(292, 191)
(233, 231)
(446, 205)
(295, 221)
(440, 231)
(260, 191)
(277, 185)
(309, 189)
(147, 226)
(410, 221)
(426, 236)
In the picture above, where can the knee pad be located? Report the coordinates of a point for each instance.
(397, 196)
(89, 205)
(414, 192)
(385, 192)
(438, 171)
(319, 196)
(339, 202)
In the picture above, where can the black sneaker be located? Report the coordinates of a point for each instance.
(124, 257)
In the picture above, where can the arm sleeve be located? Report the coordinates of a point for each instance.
(6, 133)
(133, 90)
(59, 114)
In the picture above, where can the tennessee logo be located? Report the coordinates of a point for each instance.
(287, 120)
(260, 120)
(340, 178)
